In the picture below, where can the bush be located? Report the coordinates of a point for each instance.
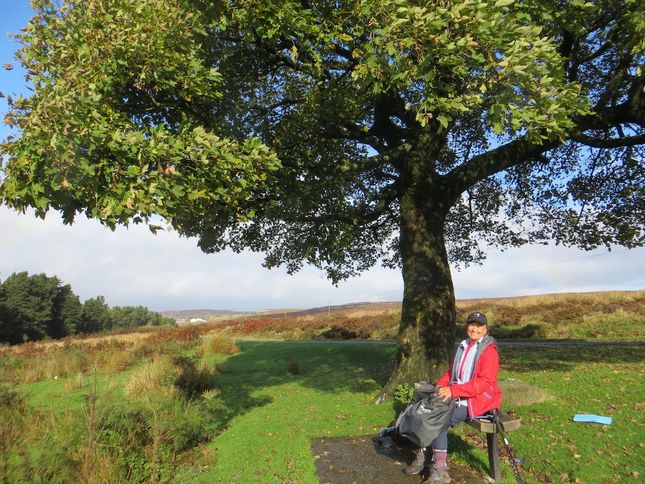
(146, 439)
(402, 396)
(525, 332)
(188, 424)
(219, 345)
(126, 432)
(293, 368)
(34, 446)
(191, 380)
(115, 361)
(338, 332)
(155, 380)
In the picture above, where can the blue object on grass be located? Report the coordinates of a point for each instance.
(587, 417)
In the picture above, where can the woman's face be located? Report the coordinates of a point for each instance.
(476, 331)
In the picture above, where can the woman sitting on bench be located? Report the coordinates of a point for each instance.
(472, 380)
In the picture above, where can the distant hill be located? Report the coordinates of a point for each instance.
(188, 316)
(351, 309)
(560, 310)
(201, 315)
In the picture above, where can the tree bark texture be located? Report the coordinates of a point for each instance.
(427, 329)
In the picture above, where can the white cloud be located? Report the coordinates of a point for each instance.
(134, 267)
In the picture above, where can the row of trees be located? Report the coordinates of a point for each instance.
(38, 307)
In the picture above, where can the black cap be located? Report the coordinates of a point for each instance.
(479, 318)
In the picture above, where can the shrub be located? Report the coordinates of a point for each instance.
(145, 439)
(117, 360)
(154, 380)
(219, 345)
(126, 432)
(338, 332)
(293, 368)
(523, 332)
(402, 396)
(191, 380)
(36, 446)
(10, 399)
(187, 426)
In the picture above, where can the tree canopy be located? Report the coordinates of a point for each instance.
(341, 133)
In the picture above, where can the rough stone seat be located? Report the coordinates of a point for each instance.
(487, 426)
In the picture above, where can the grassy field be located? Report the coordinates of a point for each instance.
(189, 405)
(257, 410)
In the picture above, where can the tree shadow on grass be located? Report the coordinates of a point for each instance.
(566, 357)
(359, 367)
(457, 444)
(363, 367)
(327, 367)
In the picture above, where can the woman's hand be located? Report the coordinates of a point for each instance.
(444, 393)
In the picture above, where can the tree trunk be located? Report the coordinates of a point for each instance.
(427, 329)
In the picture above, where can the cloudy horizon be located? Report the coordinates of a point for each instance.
(131, 267)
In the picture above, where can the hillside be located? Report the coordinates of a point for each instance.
(214, 315)
(613, 315)
(186, 315)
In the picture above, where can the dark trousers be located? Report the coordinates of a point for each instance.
(460, 415)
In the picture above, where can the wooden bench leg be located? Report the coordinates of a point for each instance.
(494, 469)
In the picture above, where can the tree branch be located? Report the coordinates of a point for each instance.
(499, 159)
(361, 214)
(609, 143)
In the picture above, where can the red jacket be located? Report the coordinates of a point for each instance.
(481, 390)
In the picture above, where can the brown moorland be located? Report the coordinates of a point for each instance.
(593, 316)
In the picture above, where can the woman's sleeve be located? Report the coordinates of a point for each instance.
(481, 381)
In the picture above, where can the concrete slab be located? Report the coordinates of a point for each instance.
(358, 460)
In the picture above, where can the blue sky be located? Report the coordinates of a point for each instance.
(14, 16)
(133, 267)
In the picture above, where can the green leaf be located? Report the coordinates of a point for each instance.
(444, 120)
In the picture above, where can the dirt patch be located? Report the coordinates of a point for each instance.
(348, 460)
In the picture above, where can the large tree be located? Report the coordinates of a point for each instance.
(341, 133)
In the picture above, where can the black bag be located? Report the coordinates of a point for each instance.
(424, 419)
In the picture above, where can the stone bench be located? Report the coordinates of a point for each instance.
(487, 426)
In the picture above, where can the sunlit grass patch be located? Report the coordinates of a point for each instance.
(597, 380)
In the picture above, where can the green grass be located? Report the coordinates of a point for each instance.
(598, 380)
(267, 437)
(54, 396)
(269, 416)
(271, 399)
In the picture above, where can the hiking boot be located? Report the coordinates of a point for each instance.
(438, 475)
(417, 464)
